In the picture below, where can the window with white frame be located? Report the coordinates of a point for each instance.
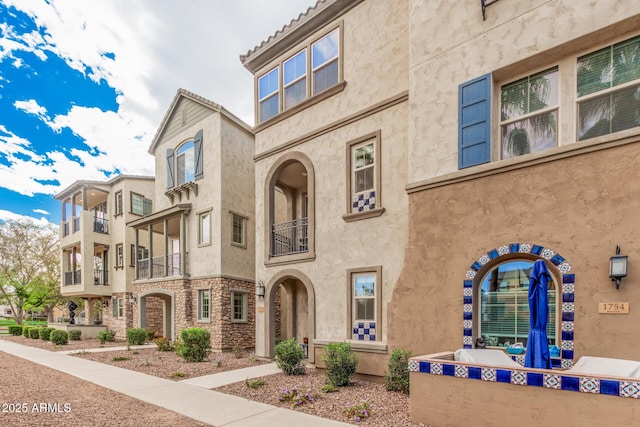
(364, 297)
(503, 312)
(529, 114)
(364, 177)
(140, 205)
(118, 200)
(185, 162)
(608, 89)
(118, 307)
(119, 255)
(238, 236)
(320, 60)
(364, 304)
(239, 306)
(204, 305)
(204, 229)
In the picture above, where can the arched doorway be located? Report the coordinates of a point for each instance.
(157, 312)
(290, 293)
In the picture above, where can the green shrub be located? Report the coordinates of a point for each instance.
(150, 335)
(120, 358)
(104, 336)
(178, 374)
(25, 331)
(75, 334)
(136, 336)
(34, 333)
(195, 345)
(164, 344)
(15, 330)
(397, 378)
(340, 363)
(59, 337)
(255, 383)
(358, 411)
(288, 356)
(45, 333)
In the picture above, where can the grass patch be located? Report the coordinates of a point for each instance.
(255, 383)
(178, 375)
(119, 358)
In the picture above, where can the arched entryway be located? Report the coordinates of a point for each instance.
(157, 312)
(290, 293)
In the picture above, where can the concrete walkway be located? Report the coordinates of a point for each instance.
(189, 397)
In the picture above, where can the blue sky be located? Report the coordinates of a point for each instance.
(84, 84)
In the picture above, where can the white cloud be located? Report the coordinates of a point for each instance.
(11, 216)
(31, 107)
(41, 211)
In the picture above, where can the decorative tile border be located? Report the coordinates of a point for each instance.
(567, 297)
(530, 378)
(364, 331)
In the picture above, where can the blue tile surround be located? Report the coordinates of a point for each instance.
(568, 296)
(364, 331)
(629, 387)
(363, 201)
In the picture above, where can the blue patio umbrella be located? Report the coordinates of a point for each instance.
(537, 355)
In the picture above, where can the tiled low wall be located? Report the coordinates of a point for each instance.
(438, 400)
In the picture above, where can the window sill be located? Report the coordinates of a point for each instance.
(290, 259)
(204, 245)
(239, 321)
(327, 93)
(357, 216)
(356, 345)
(204, 321)
(238, 245)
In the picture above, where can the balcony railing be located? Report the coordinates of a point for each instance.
(76, 224)
(72, 277)
(100, 225)
(65, 229)
(100, 277)
(156, 266)
(290, 237)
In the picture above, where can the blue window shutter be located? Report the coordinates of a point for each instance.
(197, 145)
(170, 174)
(474, 122)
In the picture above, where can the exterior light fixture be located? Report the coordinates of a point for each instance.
(133, 299)
(105, 303)
(618, 265)
(260, 290)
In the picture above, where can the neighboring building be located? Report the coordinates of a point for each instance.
(331, 160)
(195, 262)
(96, 245)
(524, 134)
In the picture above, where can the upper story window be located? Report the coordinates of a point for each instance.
(607, 100)
(608, 89)
(290, 77)
(363, 171)
(238, 232)
(119, 255)
(204, 228)
(140, 205)
(529, 114)
(118, 198)
(185, 163)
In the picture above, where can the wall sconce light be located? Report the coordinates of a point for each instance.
(618, 267)
(133, 299)
(260, 290)
(105, 303)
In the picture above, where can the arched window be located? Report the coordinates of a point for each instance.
(185, 162)
(503, 301)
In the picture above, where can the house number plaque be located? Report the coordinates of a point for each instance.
(613, 307)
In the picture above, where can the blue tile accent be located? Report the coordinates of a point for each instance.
(449, 370)
(361, 325)
(610, 387)
(514, 247)
(503, 376)
(568, 278)
(467, 346)
(467, 316)
(355, 330)
(366, 331)
(493, 254)
(567, 335)
(567, 354)
(557, 259)
(361, 337)
(475, 373)
(425, 367)
(467, 332)
(476, 266)
(467, 283)
(468, 299)
(570, 383)
(556, 363)
(372, 337)
(535, 379)
(569, 297)
(536, 250)
(567, 316)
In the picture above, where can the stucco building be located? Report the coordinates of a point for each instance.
(195, 263)
(331, 154)
(97, 255)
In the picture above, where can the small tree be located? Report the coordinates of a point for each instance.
(340, 363)
(289, 355)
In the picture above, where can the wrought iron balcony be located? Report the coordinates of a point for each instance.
(156, 266)
(101, 225)
(100, 277)
(290, 237)
(76, 224)
(65, 229)
(72, 277)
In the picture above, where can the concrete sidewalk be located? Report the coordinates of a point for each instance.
(189, 397)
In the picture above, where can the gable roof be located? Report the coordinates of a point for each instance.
(183, 93)
(82, 183)
(317, 16)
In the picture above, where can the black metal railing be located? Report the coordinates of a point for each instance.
(76, 224)
(100, 225)
(155, 267)
(100, 277)
(72, 277)
(65, 229)
(290, 237)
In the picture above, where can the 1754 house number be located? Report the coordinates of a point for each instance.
(613, 307)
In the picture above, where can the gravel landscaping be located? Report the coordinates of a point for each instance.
(33, 383)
